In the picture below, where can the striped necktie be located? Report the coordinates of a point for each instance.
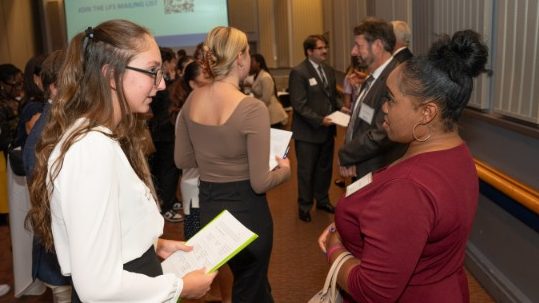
(323, 76)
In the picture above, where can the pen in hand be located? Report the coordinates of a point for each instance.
(286, 152)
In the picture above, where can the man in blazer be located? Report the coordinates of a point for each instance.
(367, 147)
(313, 96)
(403, 34)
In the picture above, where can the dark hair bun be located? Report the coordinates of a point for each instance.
(464, 54)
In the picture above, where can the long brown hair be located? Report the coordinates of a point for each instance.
(94, 59)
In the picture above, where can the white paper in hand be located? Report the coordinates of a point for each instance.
(213, 246)
(340, 118)
(279, 140)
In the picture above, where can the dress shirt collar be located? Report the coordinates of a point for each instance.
(399, 50)
(380, 69)
(315, 65)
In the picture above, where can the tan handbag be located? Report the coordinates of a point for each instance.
(330, 292)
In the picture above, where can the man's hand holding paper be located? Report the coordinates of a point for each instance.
(339, 118)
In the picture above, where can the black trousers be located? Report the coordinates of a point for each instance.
(191, 224)
(148, 264)
(165, 174)
(250, 266)
(315, 164)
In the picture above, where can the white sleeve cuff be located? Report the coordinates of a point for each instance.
(177, 288)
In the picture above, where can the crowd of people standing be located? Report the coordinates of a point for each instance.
(119, 134)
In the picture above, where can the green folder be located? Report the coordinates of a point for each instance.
(214, 245)
(236, 251)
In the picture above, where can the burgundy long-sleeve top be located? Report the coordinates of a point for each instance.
(409, 228)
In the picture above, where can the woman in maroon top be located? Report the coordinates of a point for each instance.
(408, 226)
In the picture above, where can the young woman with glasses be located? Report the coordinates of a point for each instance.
(92, 196)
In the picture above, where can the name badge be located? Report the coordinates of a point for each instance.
(312, 82)
(366, 113)
(359, 184)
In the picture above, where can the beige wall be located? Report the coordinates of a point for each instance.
(306, 18)
(277, 26)
(394, 10)
(341, 17)
(266, 31)
(242, 14)
(17, 37)
(281, 25)
(284, 24)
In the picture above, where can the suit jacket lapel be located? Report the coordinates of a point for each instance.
(314, 73)
(375, 90)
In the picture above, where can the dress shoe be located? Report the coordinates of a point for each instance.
(327, 208)
(304, 216)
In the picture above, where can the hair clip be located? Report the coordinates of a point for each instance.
(88, 35)
(208, 60)
(89, 32)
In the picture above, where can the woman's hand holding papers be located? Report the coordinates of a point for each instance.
(165, 248)
(196, 283)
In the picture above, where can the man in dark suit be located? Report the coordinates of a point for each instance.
(367, 147)
(313, 96)
(403, 34)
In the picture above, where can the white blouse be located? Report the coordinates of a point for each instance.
(103, 216)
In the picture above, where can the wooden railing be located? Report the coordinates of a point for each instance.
(517, 191)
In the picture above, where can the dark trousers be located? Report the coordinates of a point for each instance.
(250, 266)
(191, 224)
(45, 265)
(165, 174)
(148, 264)
(315, 164)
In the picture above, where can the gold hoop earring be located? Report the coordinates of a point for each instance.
(421, 139)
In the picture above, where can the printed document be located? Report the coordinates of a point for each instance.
(340, 118)
(213, 246)
(279, 140)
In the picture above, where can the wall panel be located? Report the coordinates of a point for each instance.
(453, 15)
(242, 14)
(306, 18)
(340, 18)
(266, 31)
(516, 89)
(53, 27)
(422, 26)
(4, 46)
(17, 32)
(394, 10)
(282, 40)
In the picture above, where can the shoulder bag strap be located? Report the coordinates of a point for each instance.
(332, 271)
(333, 291)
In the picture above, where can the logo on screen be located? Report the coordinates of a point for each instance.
(179, 6)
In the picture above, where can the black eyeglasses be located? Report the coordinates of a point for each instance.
(156, 74)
